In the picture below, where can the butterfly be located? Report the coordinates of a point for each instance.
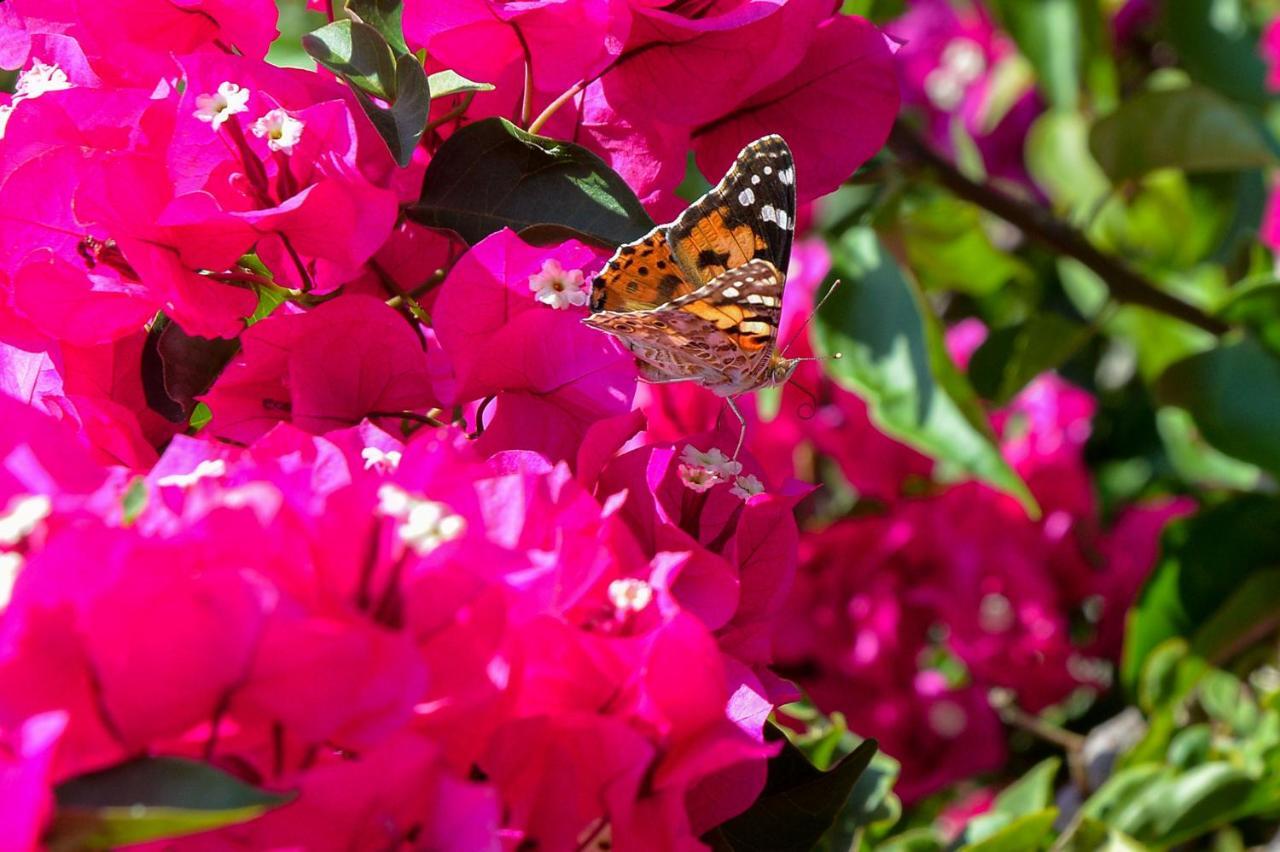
(700, 299)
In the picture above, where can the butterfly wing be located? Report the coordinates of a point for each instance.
(721, 335)
(750, 214)
(639, 276)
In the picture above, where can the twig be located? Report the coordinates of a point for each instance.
(1125, 284)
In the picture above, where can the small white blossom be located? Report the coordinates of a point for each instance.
(38, 79)
(697, 478)
(383, 461)
(558, 287)
(425, 524)
(21, 516)
(713, 460)
(207, 469)
(10, 566)
(229, 100)
(630, 594)
(746, 487)
(281, 130)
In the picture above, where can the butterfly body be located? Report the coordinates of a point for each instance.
(700, 299)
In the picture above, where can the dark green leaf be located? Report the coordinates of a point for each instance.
(401, 125)
(446, 83)
(915, 840)
(1204, 559)
(1250, 611)
(798, 805)
(1192, 128)
(1233, 394)
(492, 175)
(1185, 807)
(356, 52)
(1030, 793)
(1195, 461)
(1256, 305)
(383, 16)
(893, 356)
(177, 367)
(871, 802)
(151, 799)
(1011, 357)
(1226, 701)
(1121, 789)
(1218, 47)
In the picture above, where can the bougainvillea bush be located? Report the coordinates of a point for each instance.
(326, 523)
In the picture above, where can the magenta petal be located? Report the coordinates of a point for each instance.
(845, 80)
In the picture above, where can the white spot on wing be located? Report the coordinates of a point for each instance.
(768, 169)
(768, 214)
(755, 179)
(746, 197)
(784, 221)
(730, 292)
(787, 176)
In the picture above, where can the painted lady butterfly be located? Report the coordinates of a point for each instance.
(700, 299)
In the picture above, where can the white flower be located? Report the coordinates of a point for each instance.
(206, 469)
(746, 487)
(713, 460)
(38, 79)
(697, 478)
(281, 130)
(229, 100)
(630, 594)
(558, 287)
(376, 458)
(425, 524)
(21, 516)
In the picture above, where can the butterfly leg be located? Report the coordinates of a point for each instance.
(733, 406)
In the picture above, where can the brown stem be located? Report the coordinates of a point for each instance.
(1125, 284)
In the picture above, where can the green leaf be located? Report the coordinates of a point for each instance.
(1121, 789)
(446, 83)
(799, 803)
(1189, 805)
(1225, 700)
(1191, 746)
(1256, 305)
(1030, 793)
(134, 500)
(894, 357)
(1011, 357)
(151, 799)
(1192, 128)
(1059, 160)
(1022, 834)
(1217, 46)
(871, 802)
(1050, 34)
(401, 125)
(1250, 611)
(356, 52)
(492, 175)
(1204, 559)
(1233, 394)
(948, 247)
(915, 840)
(384, 16)
(1195, 461)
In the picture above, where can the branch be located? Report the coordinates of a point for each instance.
(1125, 284)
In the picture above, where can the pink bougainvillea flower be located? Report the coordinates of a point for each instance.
(321, 370)
(486, 310)
(26, 759)
(843, 78)
(1270, 47)
(695, 65)
(562, 42)
(947, 64)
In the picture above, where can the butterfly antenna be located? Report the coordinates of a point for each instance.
(812, 313)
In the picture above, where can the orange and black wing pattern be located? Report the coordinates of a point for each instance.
(749, 215)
